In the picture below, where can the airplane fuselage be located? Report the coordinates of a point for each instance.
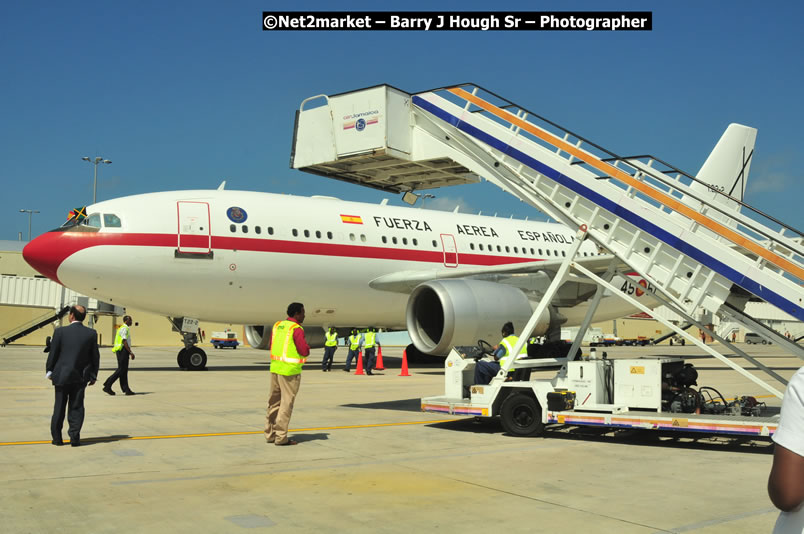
(241, 257)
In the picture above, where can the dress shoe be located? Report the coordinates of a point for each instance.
(108, 390)
(57, 442)
(288, 442)
(75, 443)
(345, 370)
(129, 392)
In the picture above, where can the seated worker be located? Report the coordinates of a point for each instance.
(486, 370)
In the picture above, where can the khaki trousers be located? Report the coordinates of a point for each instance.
(280, 406)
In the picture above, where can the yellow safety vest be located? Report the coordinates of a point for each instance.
(508, 344)
(332, 339)
(354, 342)
(119, 337)
(285, 359)
(370, 340)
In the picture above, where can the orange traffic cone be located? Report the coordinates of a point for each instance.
(359, 363)
(404, 364)
(378, 366)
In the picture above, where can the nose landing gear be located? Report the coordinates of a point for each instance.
(191, 357)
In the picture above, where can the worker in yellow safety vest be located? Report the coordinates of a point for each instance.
(370, 346)
(289, 351)
(486, 370)
(121, 349)
(330, 346)
(354, 348)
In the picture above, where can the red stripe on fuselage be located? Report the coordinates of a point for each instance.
(47, 252)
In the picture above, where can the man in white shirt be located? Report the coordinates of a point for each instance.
(786, 481)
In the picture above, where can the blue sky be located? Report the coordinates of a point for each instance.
(182, 95)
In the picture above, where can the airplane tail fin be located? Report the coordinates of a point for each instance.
(726, 168)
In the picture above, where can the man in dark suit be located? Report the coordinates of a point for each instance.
(72, 364)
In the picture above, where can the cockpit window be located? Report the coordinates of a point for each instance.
(93, 220)
(110, 220)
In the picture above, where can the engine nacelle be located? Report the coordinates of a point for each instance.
(444, 313)
(259, 336)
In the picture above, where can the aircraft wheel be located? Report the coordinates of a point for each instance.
(181, 359)
(521, 415)
(196, 359)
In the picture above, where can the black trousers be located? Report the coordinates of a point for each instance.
(370, 359)
(121, 372)
(71, 395)
(329, 355)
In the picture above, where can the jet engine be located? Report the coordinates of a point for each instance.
(259, 336)
(444, 313)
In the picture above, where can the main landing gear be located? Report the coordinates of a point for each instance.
(191, 357)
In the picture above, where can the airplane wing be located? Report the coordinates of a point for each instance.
(531, 277)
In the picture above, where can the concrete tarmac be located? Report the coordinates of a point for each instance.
(187, 454)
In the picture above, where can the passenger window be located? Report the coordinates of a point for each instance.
(435, 244)
(94, 220)
(363, 238)
(270, 230)
(232, 228)
(329, 235)
(532, 252)
(352, 237)
(257, 230)
(110, 220)
(471, 246)
(480, 246)
(415, 242)
(307, 233)
(547, 251)
(295, 233)
(393, 240)
(318, 234)
(507, 249)
(499, 248)
(384, 239)
(245, 228)
(564, 253)
(404, 240)
(516, 250)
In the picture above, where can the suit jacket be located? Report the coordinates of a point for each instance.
(74, 356)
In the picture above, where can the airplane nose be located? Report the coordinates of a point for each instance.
(44, 254)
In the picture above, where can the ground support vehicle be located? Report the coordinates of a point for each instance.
(652, 393)
(226, 339)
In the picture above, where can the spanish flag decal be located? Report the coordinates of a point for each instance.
(351, 219)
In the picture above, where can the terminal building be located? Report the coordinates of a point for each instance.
(27, 298)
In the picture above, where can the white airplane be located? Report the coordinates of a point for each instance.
(242, 257)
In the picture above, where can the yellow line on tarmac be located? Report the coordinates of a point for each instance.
(215, 434)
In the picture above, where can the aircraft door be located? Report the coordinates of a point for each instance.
(194, 229)
(450, 250)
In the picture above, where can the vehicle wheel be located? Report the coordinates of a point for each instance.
(764, 341)
(521, 415)
(196, 359)
(181, 359)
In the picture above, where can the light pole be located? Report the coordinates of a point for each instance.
(30, 215)
(97, 160)
(425, 197)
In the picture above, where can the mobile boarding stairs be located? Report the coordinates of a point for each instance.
(699, 248)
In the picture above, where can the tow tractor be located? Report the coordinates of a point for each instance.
(228, 338)
(654, 393)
